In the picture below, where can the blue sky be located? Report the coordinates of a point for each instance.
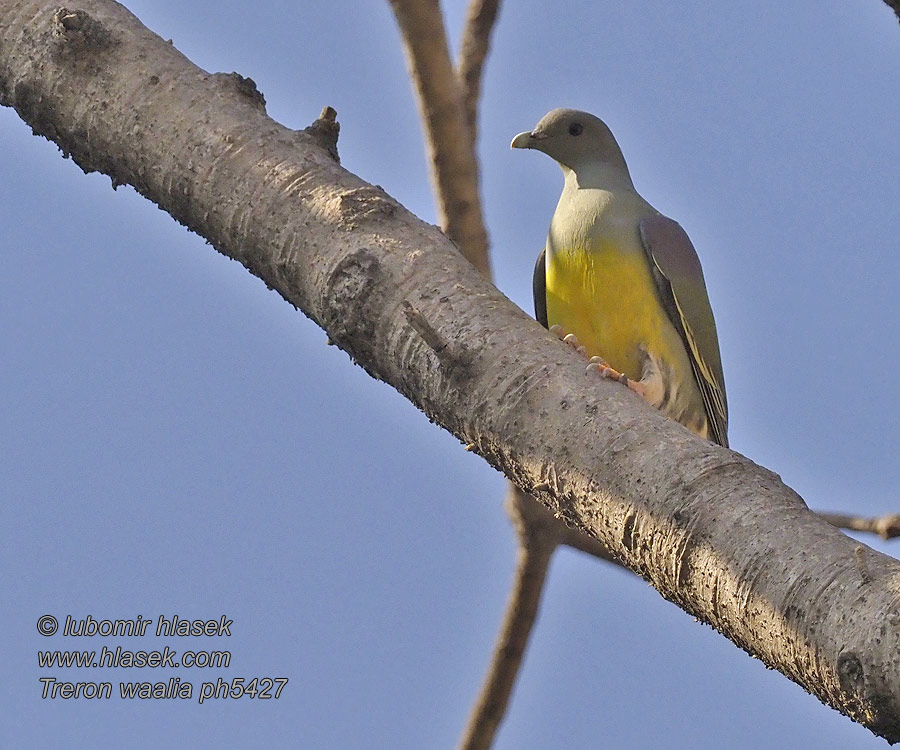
(176, 440)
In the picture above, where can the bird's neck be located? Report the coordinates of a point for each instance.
(598, 175)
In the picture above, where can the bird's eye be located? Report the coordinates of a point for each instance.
(576, 128)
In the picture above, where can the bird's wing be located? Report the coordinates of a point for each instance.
(539, 285)
(679, 279)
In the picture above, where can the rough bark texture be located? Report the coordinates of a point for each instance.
(713, 532)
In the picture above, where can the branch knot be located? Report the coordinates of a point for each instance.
(76, 31)
(325, 131)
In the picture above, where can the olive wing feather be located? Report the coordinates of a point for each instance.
(679, 280)
(539, 287)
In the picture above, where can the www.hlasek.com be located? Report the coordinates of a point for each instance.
(261, 688)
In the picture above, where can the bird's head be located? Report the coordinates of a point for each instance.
(574, 139)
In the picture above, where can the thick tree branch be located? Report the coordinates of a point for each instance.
(476, 38)
(454, 168)
(714, 533)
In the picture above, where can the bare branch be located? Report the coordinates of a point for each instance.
(476, 38)
(719, 536)
(537, 540)
(457, 97)
(887, 527)
(454, 168)
(536, 525)
(539, 533)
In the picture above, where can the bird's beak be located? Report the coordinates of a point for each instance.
(528, 140)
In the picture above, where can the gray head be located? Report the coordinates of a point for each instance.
(575, 139)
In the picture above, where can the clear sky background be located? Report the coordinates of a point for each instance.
(175, 439)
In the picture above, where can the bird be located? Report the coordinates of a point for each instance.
(622, 283)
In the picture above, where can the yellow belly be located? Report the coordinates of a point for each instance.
(608, 299)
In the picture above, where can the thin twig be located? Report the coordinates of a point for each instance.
(887, 527)
(476, 39)
(454, 169)
(537, 540)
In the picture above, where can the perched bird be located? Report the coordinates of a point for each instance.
(622, 283)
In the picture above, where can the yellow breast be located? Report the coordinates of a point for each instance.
(607, 298)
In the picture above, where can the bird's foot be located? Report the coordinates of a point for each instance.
(599, 365)
(569, 338)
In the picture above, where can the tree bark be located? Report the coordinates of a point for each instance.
(714, 533)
